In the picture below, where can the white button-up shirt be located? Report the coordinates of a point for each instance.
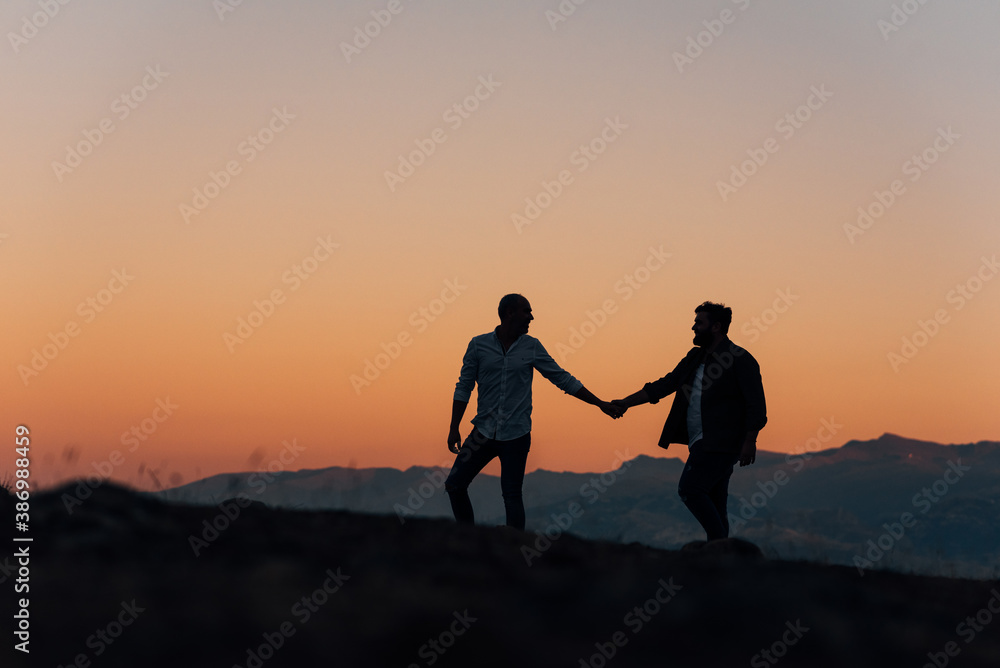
(695, 432)
(503, 412)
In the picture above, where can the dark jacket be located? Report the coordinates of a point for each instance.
(732, 399)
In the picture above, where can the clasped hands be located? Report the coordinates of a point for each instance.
(615, 409)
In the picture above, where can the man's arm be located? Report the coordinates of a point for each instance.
(463, 391)
(567, 383)
(634, 399)
(457, 411)
(652, 392)
(752, 389)
(583, 394)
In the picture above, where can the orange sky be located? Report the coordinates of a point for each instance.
(610, 122)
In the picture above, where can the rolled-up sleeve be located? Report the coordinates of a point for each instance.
(554, 373)
(467, 377)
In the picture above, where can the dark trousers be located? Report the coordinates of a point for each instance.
(477, 451)
(704, 489)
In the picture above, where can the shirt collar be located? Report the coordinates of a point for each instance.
(499, 343)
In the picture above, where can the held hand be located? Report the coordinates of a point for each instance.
(611, 409)
(454, 440)
(748, 453)
(621, 404)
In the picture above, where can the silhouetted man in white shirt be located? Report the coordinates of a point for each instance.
(502, 363)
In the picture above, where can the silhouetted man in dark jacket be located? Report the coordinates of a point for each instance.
(717, 411)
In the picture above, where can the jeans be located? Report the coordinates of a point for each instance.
(477, 451)
(704, 489)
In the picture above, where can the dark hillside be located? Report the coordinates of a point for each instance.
(118, 583)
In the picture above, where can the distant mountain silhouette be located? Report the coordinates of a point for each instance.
(822, 506)
(128, 580)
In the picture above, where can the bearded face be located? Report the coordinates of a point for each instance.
(702, 329)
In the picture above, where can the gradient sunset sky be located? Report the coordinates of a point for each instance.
(677, 152)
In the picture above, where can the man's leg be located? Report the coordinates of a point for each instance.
(698, 489)
(513, 459)
(720, 496)
(476, 452)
